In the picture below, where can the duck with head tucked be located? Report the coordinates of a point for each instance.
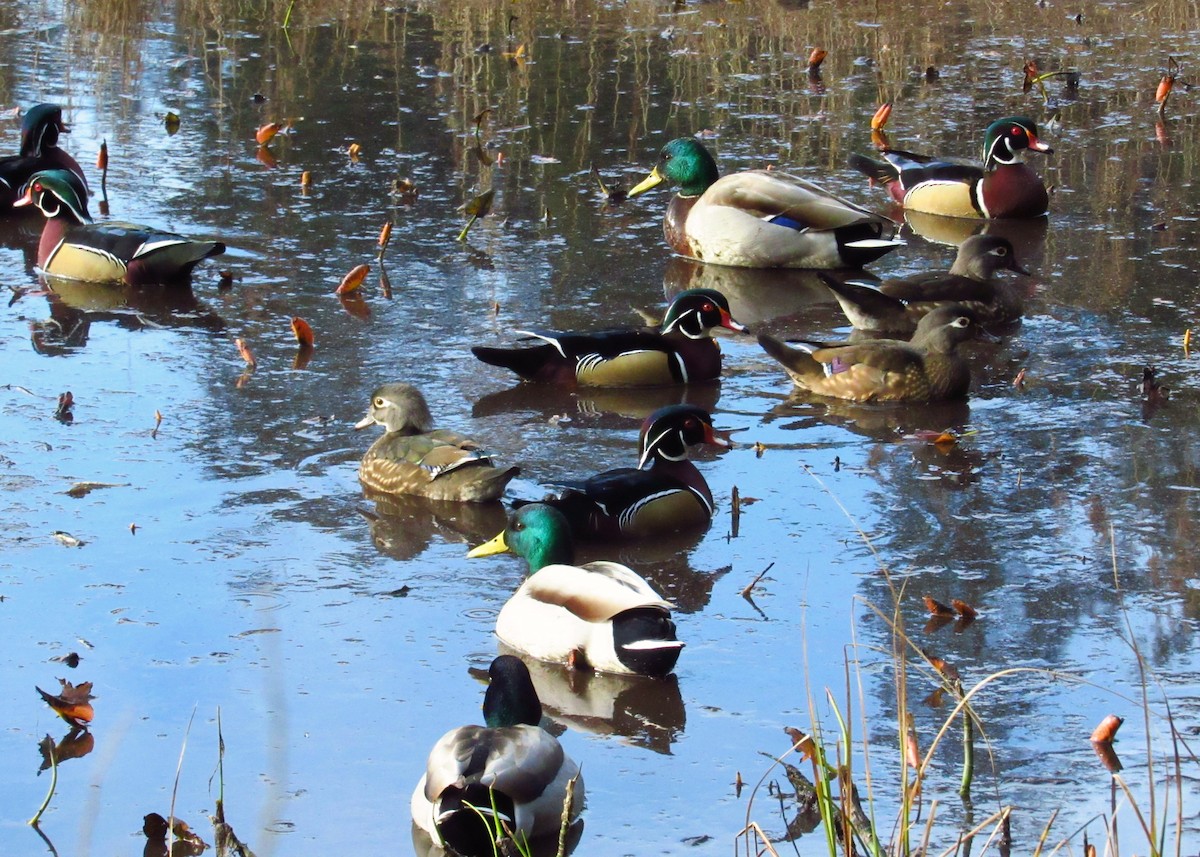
(510, 774)
(898, 304)
(927, 369)
(1004, 186)
(680, 351)
(74, 247)
(411, 457)
(761, 218)
(601, 615)
(40, 127)
(663, 494)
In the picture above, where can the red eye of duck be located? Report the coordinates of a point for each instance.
(707, 307)
(1018, 131)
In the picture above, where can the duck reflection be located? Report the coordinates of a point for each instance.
(402, 526)
(546, 846)
(649, 712)
(1028, 237)
(755, 295)
(627, 406)
(75, 305)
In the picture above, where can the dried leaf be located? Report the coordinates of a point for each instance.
(302, 331)
(936, 607)
(880, 119)
(82, 489)
(75, 745)
(72, 704)
(1031, 75)
(816, 58)
(385, 235)
(171, 122)
(266, 157)
(354, 151)
(801, 743)
(267, 132)
(102, 157)
(71, 660)
(947, 670)
(912, 753)
(353, 280)
(1107, 730)
(1019, 381)
(1164, 89)
(963, 608)
(479, 206)
(247, 355)
(305, 180)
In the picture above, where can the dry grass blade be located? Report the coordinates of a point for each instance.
(175, 786)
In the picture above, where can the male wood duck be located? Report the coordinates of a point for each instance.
(927, 369)
(1003, 187)
(601, 615)
(664, 493)
(74, 247)
(510, 773)
(40, 127)
(414, 458)
(761, 218)
(898, 304)
(680, 351)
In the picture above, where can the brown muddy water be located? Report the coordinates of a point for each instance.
(255, 585)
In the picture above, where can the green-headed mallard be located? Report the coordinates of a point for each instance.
(761, 218)
(603, 614)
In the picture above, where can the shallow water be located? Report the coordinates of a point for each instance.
(254, 584)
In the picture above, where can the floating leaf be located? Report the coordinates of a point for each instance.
(936, 607)
(76, 744)
(82, 489)
(1107, 730)
(880, 119)
(476, 208)
(72, 703)
(244, 351)
(963, 608)
(801, 743)
(267, 132)
(171, 122)
(353, 280)
(102, 157)
(815, 59)
(187, 842)
(406, 189)
(305, 180)
(302, 331)
(71, 660)
(354, 151)
(1164, 89)
(385, 235)
(948, 670)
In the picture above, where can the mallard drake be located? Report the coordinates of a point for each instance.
(511, 763)
(680, 351)
(664, 493)
(40, 127)
(761, 218)
(413, 458)
(1004, 186)
(927, 369)
(74, 247)
(898, 304)
(603, 615)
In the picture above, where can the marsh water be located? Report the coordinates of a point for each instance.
(231, 563)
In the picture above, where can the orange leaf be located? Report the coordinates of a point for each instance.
(881, 116)
(912, 753)
(266, 157)
(265, 134)
(1031, 75)
(947, 670)
(305, 180)
(964, 609)
(385, 235)
(353, 280)
(302, 331)
(72, 704)
(354, 151)
(816, 58)
(1164, 88)
(1107, 730)
(936, 607)
(102, 158)
(801, 743)
(247, 355)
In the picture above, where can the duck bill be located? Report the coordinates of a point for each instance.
(27, 199)
(1037, 145)
(727, 322)
(718, 438)
(495, 546)
(358, 426)
(651, 181)
(1016, 268)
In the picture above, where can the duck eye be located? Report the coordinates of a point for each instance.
(379, 401)
(708, 307)
(1018, 131)
(518, 525)
(1000, 251)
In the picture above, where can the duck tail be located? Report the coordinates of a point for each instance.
(466, 820)
(867, 308)
(645, 641)
(879, 171)
(798, 362)
(529, 363)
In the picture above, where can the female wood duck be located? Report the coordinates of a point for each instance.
(680, 351)
(40, 128)
(761, 218)
(413, 458)
(664, 493)
(927, 369)
(601, 615)
(74, 247)
(510, 773)
(898, 304)
(1003, 187)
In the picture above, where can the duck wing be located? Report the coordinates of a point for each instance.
(519, 761)
(771, 194)
(595, 592)
(940, 287)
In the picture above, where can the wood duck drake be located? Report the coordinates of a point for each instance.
(74, 247)
(898, 304)
(761, 218)
(664, 493)
(511, 772)
(414, 458)
(1004, 186)
(40, 128)
(680, 351)
(927, 369)
(601, 615)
